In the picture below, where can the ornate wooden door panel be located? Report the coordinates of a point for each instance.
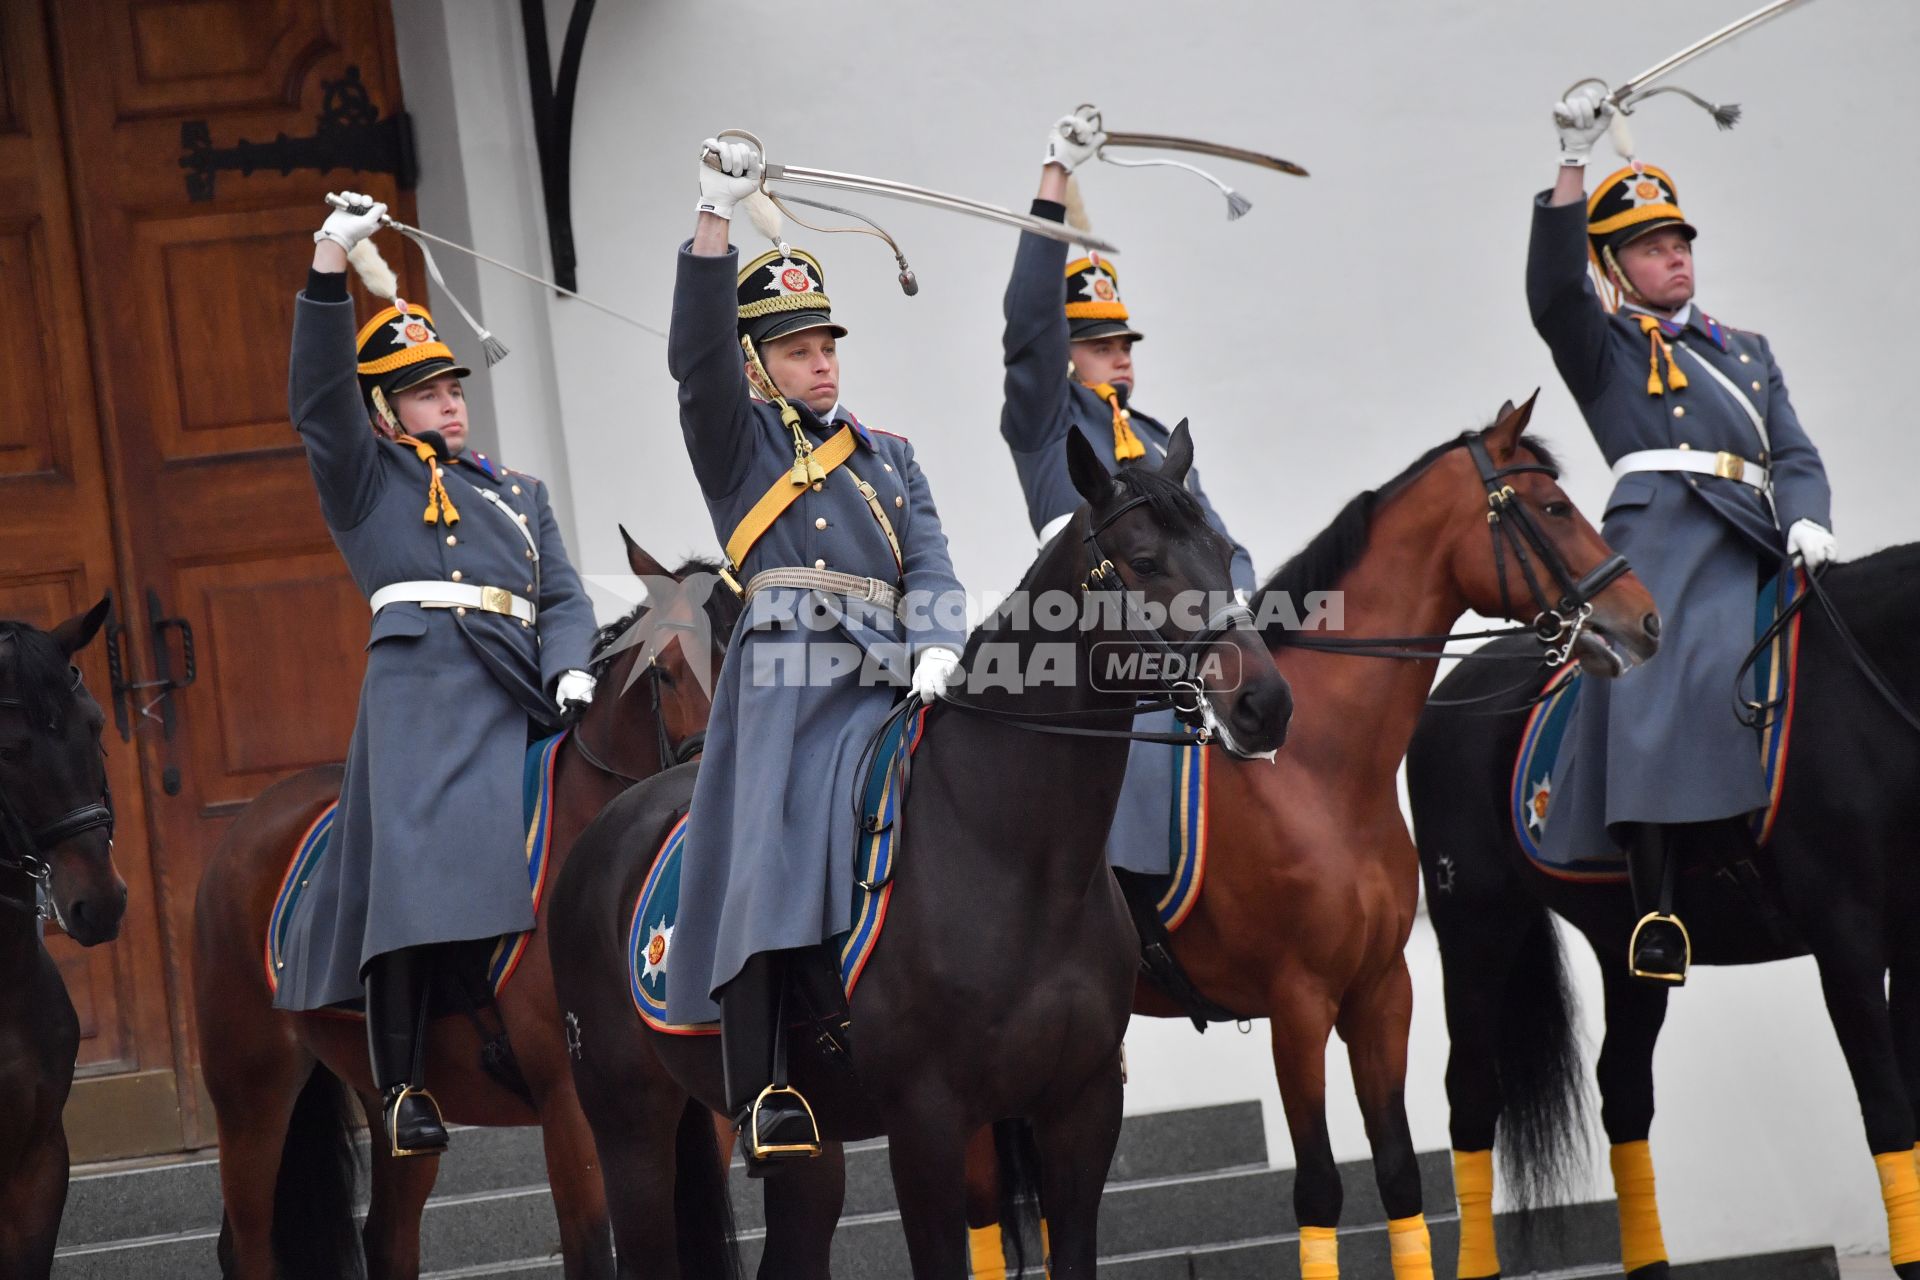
(190, 263)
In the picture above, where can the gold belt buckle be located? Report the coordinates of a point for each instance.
(499, 600)
(1729, 466)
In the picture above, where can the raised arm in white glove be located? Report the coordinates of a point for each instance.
(573, 689)
(1073, 141)
(1582, 118)
(938, 668)
(1813, 543)
(737, 177)
(347, 228)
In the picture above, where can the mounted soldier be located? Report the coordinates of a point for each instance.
(1068, 350)
(1716, 485)
(832, 537)
(481, 633)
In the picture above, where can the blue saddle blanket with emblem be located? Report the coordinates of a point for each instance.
(650, 931)
(536, 792)
(1530, 796)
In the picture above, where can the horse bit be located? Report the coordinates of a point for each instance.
(22, 848)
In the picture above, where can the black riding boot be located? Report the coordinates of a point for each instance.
(1660, 949)
(775, 1122)
(397, 984)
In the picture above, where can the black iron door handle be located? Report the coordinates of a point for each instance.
(164, 683)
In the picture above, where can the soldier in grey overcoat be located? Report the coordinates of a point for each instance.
(480, 632)
(1716, 483)
(850, 594)
(1068, 350)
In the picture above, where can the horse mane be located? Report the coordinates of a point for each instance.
(722, 608)
(38, 671)
(1335, 550)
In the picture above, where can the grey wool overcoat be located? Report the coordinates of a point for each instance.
(429, 844)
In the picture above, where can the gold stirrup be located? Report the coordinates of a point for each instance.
(1686, 941)
(392, 1116)
(758, 1152)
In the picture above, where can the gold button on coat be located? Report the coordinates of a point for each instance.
(1745, 358)
(516, 488)
(461, 610)
(452, 541)
(899, 501)
(818, 486)
(1679, 411)
(1756, 386)
(456, 575)
(820, 522)
(819, 564)
(886, 466)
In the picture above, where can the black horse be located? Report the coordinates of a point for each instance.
(1001, 985)
(1839, 879)
(56, 862)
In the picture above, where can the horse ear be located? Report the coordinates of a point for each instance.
(77, 632)
(1503, 437)
(642, 564)
(1090, 476)
(1179, 458)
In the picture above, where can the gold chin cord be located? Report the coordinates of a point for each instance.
(806, 467)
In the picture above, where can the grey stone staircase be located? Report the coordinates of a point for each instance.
(1189, 1197)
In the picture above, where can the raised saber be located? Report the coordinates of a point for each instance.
(893, 189)
(1643, 86)
(1237, 204)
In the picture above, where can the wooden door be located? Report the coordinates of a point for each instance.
(160, 436)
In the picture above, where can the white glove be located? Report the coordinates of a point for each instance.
(573, 688)
(1073, 140)
(346, 228)
(1582, 118)
(937, 669)
(1813, 543)
(737, 177)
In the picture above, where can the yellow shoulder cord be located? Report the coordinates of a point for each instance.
(439, 503)
(1126, 445)
(805, 469)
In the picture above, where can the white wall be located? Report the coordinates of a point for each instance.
(1347, 323)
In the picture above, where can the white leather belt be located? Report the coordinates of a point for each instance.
(455, 595)
(843, 584)
(1728, 466)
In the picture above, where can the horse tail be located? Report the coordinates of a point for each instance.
(1018, 1156)
(314, 1233)
(702, 1209)
(1543, 1097)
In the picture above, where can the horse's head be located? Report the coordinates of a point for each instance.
(1544, 562)
(656, 666)
(1149, 544)
(56, 822)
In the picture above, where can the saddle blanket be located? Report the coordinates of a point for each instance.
(650, 933)
(536, 790)
(1531, 790)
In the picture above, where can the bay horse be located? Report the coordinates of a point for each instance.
(276, 1077)
(56, 863)
(1311, 880)
(1837, 880)
(1000, 985)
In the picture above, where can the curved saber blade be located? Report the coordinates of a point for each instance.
(1167, 142)
(1660, 70)
(935, 199)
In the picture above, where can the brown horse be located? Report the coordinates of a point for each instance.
(275, 1076)
(56, 863)
(1311, 877)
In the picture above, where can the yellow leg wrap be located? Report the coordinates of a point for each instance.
(1473, 1187)
(1412, 1248)
(1319, 1254)
(984, 1251)
(1641, 1243)
(1900, 1190)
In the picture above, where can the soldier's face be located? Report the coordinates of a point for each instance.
(805, 366)
(437, 405)
(1108, 360)
(1659, 266)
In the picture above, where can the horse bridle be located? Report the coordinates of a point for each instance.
(22, 848)
(670, 754)
(1556, 624)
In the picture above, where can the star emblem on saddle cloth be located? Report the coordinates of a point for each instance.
(659, 942)
(412, 331)
(1537, 804)
(790, 277)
